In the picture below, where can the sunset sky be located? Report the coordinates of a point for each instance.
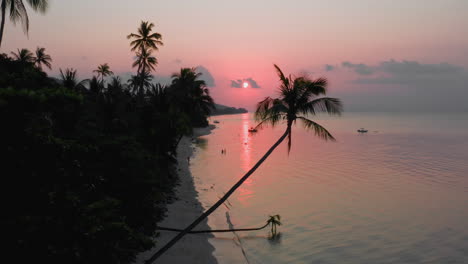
(386, 55)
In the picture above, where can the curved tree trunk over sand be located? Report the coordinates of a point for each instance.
(218, 203)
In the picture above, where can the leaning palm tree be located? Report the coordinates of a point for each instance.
(18, 12)
(145, 39)
(298, 100)
(103, 70)
(42, 58)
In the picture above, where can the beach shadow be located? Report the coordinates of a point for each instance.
(201, 143)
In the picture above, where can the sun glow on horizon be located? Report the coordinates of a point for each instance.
(245, 84)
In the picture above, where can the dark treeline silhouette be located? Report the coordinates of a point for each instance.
(88, 165)
(226, 110)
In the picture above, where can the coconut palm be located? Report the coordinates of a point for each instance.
(274, 220)
(24, 56)
(298, 100)
(103, 70)
(18, 12)
(145, 39)
(144, 42)
(192, 94)
(70, 80)
(139, 82)
(42, 59)
(145, 61)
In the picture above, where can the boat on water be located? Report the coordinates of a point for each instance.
(362, 130)
(252, 129)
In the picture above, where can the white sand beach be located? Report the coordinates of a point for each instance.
(193, 248)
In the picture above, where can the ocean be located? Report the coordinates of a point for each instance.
(396, 194)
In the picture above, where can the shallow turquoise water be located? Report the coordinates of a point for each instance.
(398, 194)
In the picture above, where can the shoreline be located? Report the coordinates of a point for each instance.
(193, 248)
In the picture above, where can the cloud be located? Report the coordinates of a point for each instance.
(411, 86)
(206, 76)
(361, 69)
(415, 74)
(236, 83)
(329, 67)
(240, 82)
(252, 83)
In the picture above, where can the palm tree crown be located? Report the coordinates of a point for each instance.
(103, 70)
(42, 58)
(18, 12)
(145, 38)
(145, 61)
(70, 80)
(298, 100)
(192, 93)
(24, 56)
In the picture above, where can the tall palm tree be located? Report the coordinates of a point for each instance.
(18, 12)
(70, 80)
(24, 56)
(145, 39)
(298, 100)
(42, 58)
(103, 70)
(144, 42)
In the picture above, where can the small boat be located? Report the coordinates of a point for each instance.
(362, 130)
(216, 122)
(252, 129)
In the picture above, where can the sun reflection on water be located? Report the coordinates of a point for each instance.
(245, 191)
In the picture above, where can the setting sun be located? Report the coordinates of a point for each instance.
(245, 84)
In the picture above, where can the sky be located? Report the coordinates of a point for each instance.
(378, 55)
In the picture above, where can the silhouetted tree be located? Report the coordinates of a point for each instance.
(192, 95)
(42, 59)
(144, 42)
(24, 56)
(103, 70)
(70, 81)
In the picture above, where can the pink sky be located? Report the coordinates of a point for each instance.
(241, 39)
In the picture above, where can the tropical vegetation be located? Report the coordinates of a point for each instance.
(89, 164)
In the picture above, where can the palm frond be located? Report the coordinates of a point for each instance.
(319, 131)
(18, 12)
(332, 106)
(39, 5)
(271, 120)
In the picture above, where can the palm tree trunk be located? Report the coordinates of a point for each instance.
(2, 26)
(218, 203)
(214, 230)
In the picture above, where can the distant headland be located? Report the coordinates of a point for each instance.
(227, 110)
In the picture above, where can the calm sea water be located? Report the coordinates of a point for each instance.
(398, 194)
